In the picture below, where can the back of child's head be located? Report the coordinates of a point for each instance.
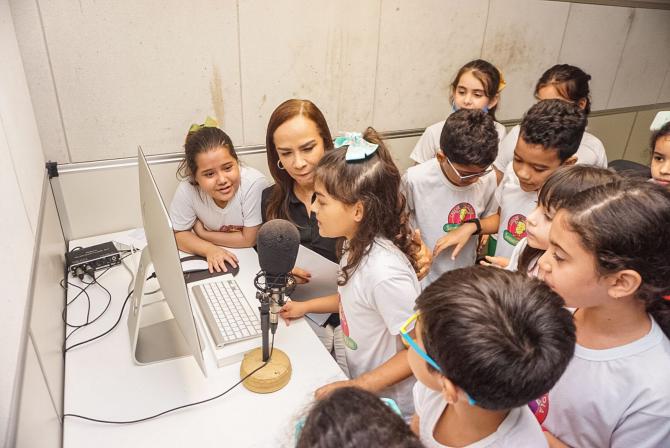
(625, 225)
(501, 336)
(556, 125)
(561, 186)
(352, 417)
(487, 74)
(571, 82)
(201, 139)
(469, 137)
(375, 182)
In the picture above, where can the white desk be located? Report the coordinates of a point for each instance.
(101, 381)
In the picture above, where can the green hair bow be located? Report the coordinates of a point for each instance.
(359, 148)
(209, 123)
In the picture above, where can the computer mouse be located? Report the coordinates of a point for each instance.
(195, 268)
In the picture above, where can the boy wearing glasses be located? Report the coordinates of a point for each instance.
(487, 342)
(451, 197)
(550, 134)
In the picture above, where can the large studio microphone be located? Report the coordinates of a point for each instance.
(277, 243)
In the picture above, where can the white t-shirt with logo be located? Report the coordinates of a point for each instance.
(437, 207)
(243, 210)
(591, 150)
(376, 301)
(618, 397)
(515, 205)
(520, 429)
(429, 143)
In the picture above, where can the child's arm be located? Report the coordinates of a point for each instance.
(553, 441)
(244, 238)
(294, 310)
(414, 425)
(460, 237)
(391, 372)
(188, 241)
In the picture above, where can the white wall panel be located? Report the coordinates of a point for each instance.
(320, 50)
(131, 73)
(645, 60)
(38, 423)
(18, 120)
(664, 95)
(421, 47)
(594, 40)
(523, 39)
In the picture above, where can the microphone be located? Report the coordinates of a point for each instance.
(277, 244)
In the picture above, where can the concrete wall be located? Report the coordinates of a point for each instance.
(107, 76)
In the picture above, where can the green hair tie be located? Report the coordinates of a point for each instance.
(209, 123)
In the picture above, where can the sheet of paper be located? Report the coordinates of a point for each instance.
(323, 281)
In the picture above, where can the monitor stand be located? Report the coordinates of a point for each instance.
(153, 342)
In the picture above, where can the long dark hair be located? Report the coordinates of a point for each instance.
(277, 207)
(487, 74)
(375, 182)
(559, 187)
(571, 82)
(624, 225)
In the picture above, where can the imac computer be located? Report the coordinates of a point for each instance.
(178, 336)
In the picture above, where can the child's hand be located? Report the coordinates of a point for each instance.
(457, 238)
(423, 257)
(292, 310)
(324, 391)
(553, 441)
(498, 262)
(216, 258)
(301, 276)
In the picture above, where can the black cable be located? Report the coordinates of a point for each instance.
(127, 422)
(106, 332)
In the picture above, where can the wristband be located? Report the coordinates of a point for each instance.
(476, 222)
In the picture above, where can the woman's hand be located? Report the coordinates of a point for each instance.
(301, 276)
(424, 258)
(216, 258)
(292, 310)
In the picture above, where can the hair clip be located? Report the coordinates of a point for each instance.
(359, 148)
(666, 297)
(502, 83)
(209, 123)
(660, 120)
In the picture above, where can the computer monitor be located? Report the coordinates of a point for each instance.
(172, 338)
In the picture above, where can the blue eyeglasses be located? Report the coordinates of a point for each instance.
(404, 332)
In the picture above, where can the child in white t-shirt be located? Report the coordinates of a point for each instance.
(218, 202)
(560, 187)
(477, 86)
(450, 195)
(550, 134)
(609, 258)
(358, 199)
(568, 83)
(487, 341)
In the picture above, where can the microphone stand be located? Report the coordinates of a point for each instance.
(271, 298)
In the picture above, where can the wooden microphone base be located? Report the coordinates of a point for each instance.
(270, 378)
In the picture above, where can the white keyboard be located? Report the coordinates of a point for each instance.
(227, 312)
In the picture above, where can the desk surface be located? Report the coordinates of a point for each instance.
(101, 380)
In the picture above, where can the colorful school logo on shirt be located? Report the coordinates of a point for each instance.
(350, 343)
(231, 229)
(516, 229)
(458, 214)
(540, 408)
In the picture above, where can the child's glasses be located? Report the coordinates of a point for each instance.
(468, 176)
(404, 332)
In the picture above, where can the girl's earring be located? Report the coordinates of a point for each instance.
(280, 165)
